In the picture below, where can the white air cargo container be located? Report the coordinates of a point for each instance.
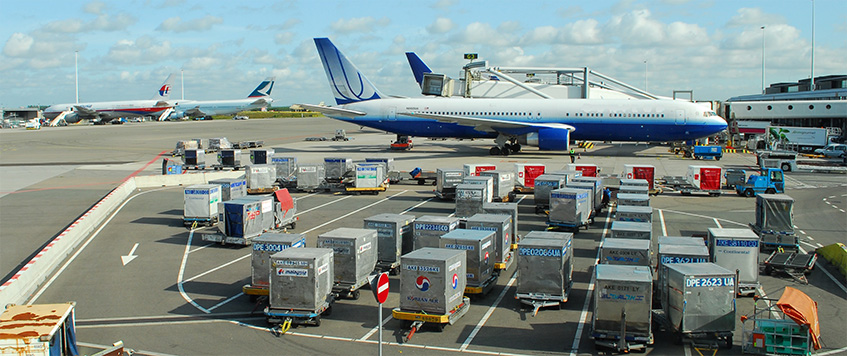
(634, 213)
(633, 252)
(473, 170)
(707, 178)
(479, 250)
(310, 176)
(587, 169)
(301, 279)
(369, 175)
(737, 249)
(354, 254)
(486, 180)
(432, 280)
(525, 174)
(429, 228)
(266, 245)
(260, 177)
(38, 330)
(632, 230)
(446, 182)
(504, 184)
(231, 188)
(201, 204)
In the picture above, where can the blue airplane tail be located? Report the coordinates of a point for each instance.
(347, 83)
(419, 68)
(264, 88)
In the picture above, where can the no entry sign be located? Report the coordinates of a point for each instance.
(381, 288)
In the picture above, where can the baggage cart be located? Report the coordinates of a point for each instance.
(201, 204)
(703, 152)
(446, 182)
(622, 318)
(300, 287)
(285, 212)
(794, 264)
(543, 185)
(786, 326)
(569, 208)
(737, 250)
(545, 269)
(393, 232)
(263, 247)
(229, 158)
(194, 159)
(775, 222)
(354, 258)
(432, 284)
(219, 143)
(700, 179)
(421, 176)
(700, 306)
(479, 250)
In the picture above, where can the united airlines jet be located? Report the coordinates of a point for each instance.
(548, 124)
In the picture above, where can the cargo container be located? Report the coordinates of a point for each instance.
(310, 176)
(487, 181)
(432, 280)
(261, 156)
(386, 161)
(569, 173)
(263, 247)
(446, 182)
(470, 198)
(622, 307)
(231, 188)
(504, 185)
(634, 189)
(587, 169)
(633, 199)
(596, 185)
(201, 204)
(670, 253)
(38, 330)
(638, 171)
(618, 251)
(638, 182)
(244, 219)
(545, 269)
(479, 251)
(336, 168)
(501, 225)
(701, 302)
(286, 167)
(393, 232)
(570, 208)
(300, 285)
(260, 179)
(737, 250)
(429, 228)
(194, 159)
(270, 210)
(505, 208)
(632, 230)
(285, 210)
(355, 255)
(543, 185)
(229, 158)
(775, 222)
(705, 178)
(473, 170)
(370, 175)
(219, 143)
(681, 240)
(634, 213)
(525, 174)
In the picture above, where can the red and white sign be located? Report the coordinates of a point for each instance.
(527, 172)
(646, 172)
(381, 288)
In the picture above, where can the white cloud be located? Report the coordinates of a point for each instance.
(176, 24)
(753, 17)
(94, 7)
(144, 50)
(440, 25)
(283, 38)
(359, 24)
(18, 45)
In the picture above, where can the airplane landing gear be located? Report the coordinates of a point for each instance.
(505, 146)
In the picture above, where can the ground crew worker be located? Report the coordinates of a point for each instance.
(572, 155)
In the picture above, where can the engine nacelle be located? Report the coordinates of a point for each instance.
(176, 115)
(72, 117)
(547, 139)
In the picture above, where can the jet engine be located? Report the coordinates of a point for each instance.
(547, 139)
(176, 115)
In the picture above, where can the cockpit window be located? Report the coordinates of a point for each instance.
(709, 113)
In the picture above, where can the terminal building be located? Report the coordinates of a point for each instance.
(792, 104)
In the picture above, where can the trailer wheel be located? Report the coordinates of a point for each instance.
(354, 294)
(749, 193)
(728, 342)
(786, 167)
(318, 320)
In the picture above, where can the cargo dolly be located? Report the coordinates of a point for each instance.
(542, 300)
(286, 317)
(347, 290)
(680, 184)
(776, 240)
(414, 320)
(393, 268)
(555, 225)
(370, 190)
(794, 264)
(484, 288)
(700, 341)
(622, 341)
(502, 266)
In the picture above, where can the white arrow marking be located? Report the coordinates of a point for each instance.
(126, 259)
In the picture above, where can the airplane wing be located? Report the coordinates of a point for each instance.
(195, 112)
(261, 101)
(84, 111)
(333, 111)
(489, 125)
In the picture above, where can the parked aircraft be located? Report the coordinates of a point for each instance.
(546, 123)
(158, 106)
(258, 98)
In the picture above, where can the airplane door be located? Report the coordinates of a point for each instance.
(392, 113)
(680, 117)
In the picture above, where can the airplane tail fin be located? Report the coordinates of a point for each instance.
(348, 84)
(264, 88)
(164, 91)
(419, 68)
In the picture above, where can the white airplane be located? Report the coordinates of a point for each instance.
(158, 106)
(548, 124)
(258, 98)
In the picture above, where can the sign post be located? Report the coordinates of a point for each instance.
(379, 286)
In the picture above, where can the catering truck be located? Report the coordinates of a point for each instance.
(801, 139)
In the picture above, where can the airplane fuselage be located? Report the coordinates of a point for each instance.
(111, 109)
(600, 120)
(221, 107)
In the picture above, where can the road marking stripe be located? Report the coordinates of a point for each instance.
(376, 328)
(662, 221)
(216, 268)
(717, 223)
(182, 273)
(489, 312)
(588, 293)
(225, 301)
(415, 206)
(322, 205)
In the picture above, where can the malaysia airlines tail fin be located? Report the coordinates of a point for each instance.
(419, 68)
(264, 88)
(347, 83)
(164, 91)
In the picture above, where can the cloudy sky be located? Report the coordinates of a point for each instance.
(225, 48)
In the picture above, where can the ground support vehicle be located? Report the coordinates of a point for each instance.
(772, 239)
(703, 152)
(285, 317)
(788, 326)
(769, 181)
(414, 320)
(573, 227)
(403, 143)
(248, 144)
(734, 177)
(794, 264)
(421, 176)
(340, 135)
(681, 184)
(785, 160)
(484, 288)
